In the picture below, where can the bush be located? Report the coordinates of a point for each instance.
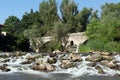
(111, 46)
(118, 47)
(84, 48)
(97, 45)
(92, 45)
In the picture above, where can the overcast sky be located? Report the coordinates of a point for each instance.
(19, 7)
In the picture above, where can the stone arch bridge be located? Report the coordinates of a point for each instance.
(74, 39)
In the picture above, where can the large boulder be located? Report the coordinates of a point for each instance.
(39, 67)
(109, 64)
(49, 67)
(75, 57)
(106, 53)
(109, 58)
(52, 60)
(5, 60)
(4, 69)
(117, 66)
(114, 53)
(100, 70)
(117, 75)
(44, 67)
(5, 65)
(6, 55)
(94, 57)
(67, 64)
(52, 54)
(39, 61)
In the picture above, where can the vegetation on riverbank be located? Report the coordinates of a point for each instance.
(103, 31)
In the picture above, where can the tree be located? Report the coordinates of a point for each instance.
(29, 19)
(60, 34)
(83, 18)
(69, 10)
(110, 20)
(105, 30)
(12, 24)
(94, 14)
(93, 28)
(48, 12)
(15, 36)
(33, 34)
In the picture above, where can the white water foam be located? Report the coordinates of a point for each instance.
(81, 67)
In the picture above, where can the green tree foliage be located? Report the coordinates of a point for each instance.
(69, 10)
(12, 24)
(60, 34)
(93, 28)
(76, 21)
(31, 18)
(59, 31)
(111, 19)
(83, 18)
(15, 35)
(105, 32)
(33, 34)
(48, 12)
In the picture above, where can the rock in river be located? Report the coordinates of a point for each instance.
(67, 64)
(4, 69)
(100, 70)
(52, 60)
(39, 67)
(49, 67)
(109, 58)
(94, 57)
(75, 57)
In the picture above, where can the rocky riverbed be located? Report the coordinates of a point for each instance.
(75, 64)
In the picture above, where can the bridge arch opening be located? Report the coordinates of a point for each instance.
(71, 43)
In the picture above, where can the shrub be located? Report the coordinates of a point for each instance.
(84, 48)
(96, 45)
(111, 46)
(92, 45)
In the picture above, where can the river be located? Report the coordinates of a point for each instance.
(82, 71)
(61, 76)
